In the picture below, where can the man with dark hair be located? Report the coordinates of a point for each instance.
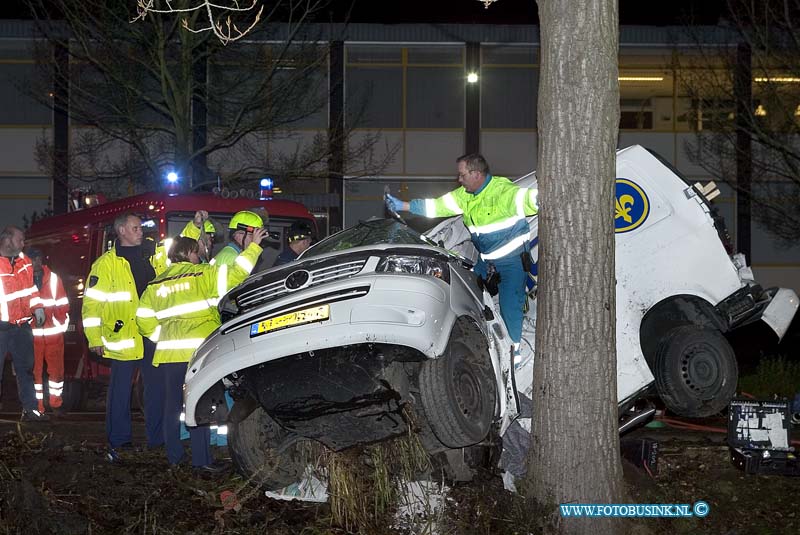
(117, 280)
(494, 211)
(299, 239)
(19, 304)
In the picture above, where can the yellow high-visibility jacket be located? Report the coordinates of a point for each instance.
(160, 259)
(495, 215)
(109, 304)
(178, 310)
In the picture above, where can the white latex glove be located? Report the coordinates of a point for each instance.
(199, 217)
(39, 314)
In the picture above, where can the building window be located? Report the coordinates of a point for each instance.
(509, 86)
(435, 97)
(374, 97)
(19, 107)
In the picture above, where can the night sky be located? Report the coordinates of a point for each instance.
(672, 12)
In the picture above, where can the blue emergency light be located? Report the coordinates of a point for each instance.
(266, 188)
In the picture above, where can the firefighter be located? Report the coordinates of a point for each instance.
(240, 232)
(177, 311)
(299, 239)
(494, 211)
(160, 259)
(114, 285)
(19, 301)
(48, 340)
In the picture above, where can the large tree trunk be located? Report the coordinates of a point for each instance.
(574, 455)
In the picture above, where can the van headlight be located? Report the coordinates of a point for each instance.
(414, 265)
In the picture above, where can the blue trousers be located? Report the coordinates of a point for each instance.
(153, 403)
(172, 376)
(511, 291)
(19, 342)
(118, 402)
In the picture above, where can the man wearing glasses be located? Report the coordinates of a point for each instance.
(494, 211)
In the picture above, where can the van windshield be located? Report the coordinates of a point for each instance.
(374, 231)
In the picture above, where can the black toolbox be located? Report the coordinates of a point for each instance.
(759, 437)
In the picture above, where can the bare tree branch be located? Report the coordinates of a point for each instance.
(222, 26)
(771, 119)
(162, 97)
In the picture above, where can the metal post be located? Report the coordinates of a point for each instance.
(336, 134)
(743, 94)
(61, 130)
(472, 100)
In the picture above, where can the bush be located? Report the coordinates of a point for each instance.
(775, 376)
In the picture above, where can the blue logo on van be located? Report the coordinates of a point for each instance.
(631, 207)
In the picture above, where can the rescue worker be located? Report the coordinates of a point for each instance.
(160, 259)
(177, 311)
(48, 340)
(114, 285)
(299, 239)
(494, 211)
(240, 232)
(19, 304)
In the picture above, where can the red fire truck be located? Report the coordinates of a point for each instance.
(71, 242)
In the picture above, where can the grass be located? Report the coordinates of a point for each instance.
(364, 483)
(775, 376)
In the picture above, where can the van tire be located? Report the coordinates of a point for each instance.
(457, 390)
(695, 371)
(268, 455)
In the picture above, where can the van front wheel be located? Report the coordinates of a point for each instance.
(695, 370)
(266, 454)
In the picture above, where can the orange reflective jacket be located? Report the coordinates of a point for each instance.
(18, 294)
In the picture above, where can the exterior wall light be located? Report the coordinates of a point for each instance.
(472, 78)
(640, 78)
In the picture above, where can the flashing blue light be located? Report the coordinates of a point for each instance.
(172, 177)
(266, 183)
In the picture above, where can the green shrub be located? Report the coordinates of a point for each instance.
(775, 376)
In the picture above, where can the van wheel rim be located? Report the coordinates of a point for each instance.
(700, 369)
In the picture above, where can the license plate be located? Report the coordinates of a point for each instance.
(308, 315)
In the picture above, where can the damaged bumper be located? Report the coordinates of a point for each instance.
(780, 311)
(409, 312)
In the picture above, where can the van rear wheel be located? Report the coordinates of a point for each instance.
(695, 371)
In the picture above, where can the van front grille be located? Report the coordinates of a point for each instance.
(277, 289)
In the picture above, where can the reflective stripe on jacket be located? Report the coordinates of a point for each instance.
(109, 303)
(19, 296)
(228, 255)
(56, 305)
(494, 215)
(179, 308)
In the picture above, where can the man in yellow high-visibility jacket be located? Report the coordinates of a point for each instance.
(113, 287)
(494, 211)
(177, 311)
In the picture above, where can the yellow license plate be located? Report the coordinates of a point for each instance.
(308, 315)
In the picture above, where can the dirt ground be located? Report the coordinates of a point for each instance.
(54, 479)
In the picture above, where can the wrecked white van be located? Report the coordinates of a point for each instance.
(680, 288)
(377, 331)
